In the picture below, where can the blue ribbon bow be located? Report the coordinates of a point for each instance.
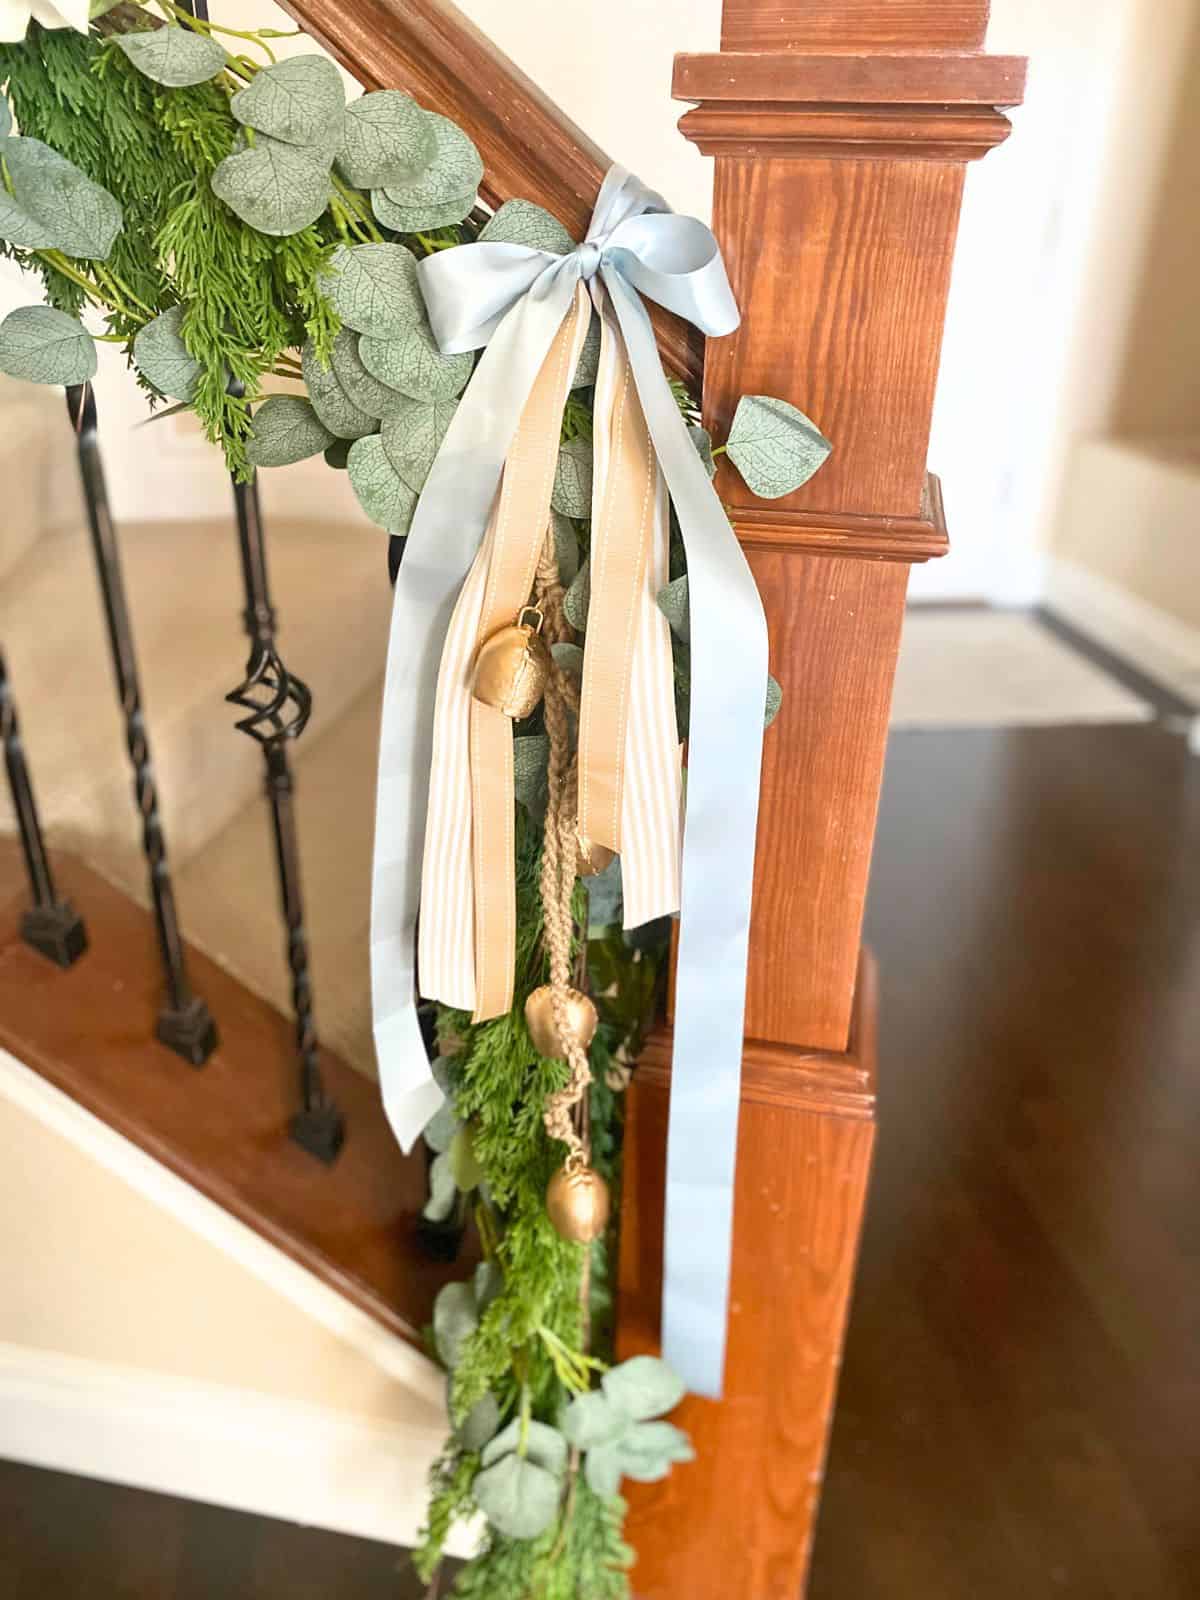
(512, 299)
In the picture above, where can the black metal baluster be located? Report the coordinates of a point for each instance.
(279, 706)
(184, 1024)
(52, 926)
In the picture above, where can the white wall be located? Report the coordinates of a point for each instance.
(1055, 229)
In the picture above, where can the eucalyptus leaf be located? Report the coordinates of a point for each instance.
(330, 401)
(274, 187)
(455, 1319)
(480, 1423)
(42, 345)
(544, 1446)
(486, 1281)
(589, 357)
(521, 222)
(702, 439)
(443, 1191)
(531, 757)
(299, 100)
(649, 1450)
(412, 363)
(163, 359)
(18, 228)
(468, 1174)
(568, 658)
(174, 56)
(382, 492)
(285, 429)
(82, 218)
(774, 701)
(518, 1498)
(374, 290)
(605, 899)
(577, 598)
(419, 219)
(642, 1387)
(672, 601)
(366, 392)
(455, 169)
(592, 1420)
(602, 1469)
(386, 138)
(572, 492)
(413, 434)
(774, 447)
(441, 1128)
(566, 546)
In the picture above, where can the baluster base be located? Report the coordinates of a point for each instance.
(56, 932)
(190, 1033)
(321, 1131)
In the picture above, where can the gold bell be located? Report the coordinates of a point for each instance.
(539, 1018)
(591, 859)
(578, 1203)
(512, 667)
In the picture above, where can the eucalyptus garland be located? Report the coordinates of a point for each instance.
(234, 225)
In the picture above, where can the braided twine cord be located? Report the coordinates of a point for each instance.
(557, 883)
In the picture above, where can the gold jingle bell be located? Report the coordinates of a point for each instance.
(578, 1203)
(591, 859)
(539, 1018)
(512, 667)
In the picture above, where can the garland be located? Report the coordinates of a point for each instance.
(230, 222)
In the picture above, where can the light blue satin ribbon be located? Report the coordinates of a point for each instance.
(512, 299)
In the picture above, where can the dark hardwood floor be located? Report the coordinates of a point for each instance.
(1020, 1405)
(1020, 1402)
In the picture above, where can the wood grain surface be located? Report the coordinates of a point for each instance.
(838, 182)
(850, 24)
(946, 78)
(739, 1519)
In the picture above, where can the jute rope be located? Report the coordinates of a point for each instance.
(557, 882)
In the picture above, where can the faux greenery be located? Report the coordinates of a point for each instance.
(233, 225)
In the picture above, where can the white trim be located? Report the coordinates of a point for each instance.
(31, 1092)
(226, 1446)
(1150, 639)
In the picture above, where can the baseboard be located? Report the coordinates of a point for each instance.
(228, 1447)
(31, 1093)
(1150, 639)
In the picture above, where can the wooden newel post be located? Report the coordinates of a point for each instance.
(841, 134)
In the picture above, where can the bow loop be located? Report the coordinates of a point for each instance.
(670, 259)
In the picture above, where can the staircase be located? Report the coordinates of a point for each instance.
(841, 134)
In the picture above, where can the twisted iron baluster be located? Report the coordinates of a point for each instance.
(184, 1024)
(279, 706)
(51, 926)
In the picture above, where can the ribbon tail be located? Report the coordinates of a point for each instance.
(652, 797)
(728, 689)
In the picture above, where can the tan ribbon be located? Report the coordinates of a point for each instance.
(626, 481)
(629, 747)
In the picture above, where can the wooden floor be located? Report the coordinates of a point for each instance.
(1020, 1406)
(1020, 1402)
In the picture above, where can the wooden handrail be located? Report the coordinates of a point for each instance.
(530, 148)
